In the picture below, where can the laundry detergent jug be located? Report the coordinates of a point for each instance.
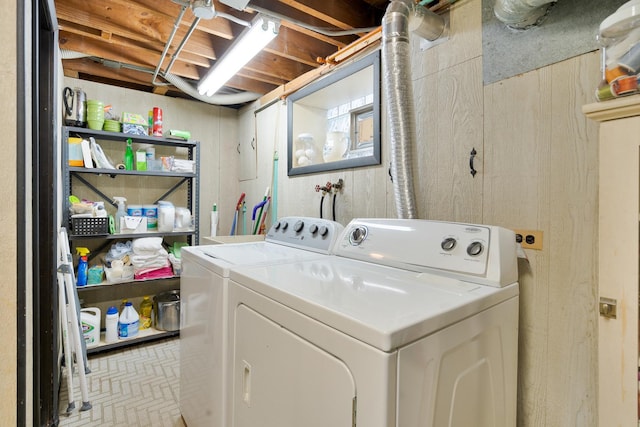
(90, 319)
(166, 216)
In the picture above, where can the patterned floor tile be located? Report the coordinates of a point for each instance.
(136, 386)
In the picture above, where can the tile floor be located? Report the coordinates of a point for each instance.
(135, 387)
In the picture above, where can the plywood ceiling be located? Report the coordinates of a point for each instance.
(121, 41)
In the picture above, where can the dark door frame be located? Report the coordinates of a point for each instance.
(37, 70)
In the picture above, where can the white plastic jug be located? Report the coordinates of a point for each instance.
(90, 319)
(166, 216)
(128, 322)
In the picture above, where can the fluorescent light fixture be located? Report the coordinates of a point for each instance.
(263, 29)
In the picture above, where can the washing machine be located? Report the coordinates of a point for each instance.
(203, 289)
(411, 323)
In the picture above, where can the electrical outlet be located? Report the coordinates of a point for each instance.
(530, 239)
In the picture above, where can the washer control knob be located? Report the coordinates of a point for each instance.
(448, 244)
(475, 248)
(284, 224)
(313, 229)
(298, 226)
(324, 230)
(358, 235)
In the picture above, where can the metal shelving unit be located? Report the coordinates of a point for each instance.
(79, 176)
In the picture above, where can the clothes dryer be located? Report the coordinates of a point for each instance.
(412, 323)
(203, 288)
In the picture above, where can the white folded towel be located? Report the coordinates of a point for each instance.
(147, 244)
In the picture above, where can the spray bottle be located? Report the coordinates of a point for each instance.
(83, 266)
(122, 211)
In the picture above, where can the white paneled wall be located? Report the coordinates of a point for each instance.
(537, 169)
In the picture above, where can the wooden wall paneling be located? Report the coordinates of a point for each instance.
(248, 144)
(516, 194)
(368, 189)
(449, 126)
(464, 42)
(221, 185)
(571, 243)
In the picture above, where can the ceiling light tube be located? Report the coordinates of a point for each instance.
(263, 29)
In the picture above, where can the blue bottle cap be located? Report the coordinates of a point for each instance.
(112, 310)
(128, 303)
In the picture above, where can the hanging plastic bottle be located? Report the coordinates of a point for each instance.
(128, 155)
(83, 266)
(145, 312)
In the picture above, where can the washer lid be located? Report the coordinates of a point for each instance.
(220, 258)
(382, 306)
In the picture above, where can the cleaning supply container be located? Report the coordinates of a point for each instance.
(90, 320)
(166, 216)
(83, 266)
(111, 322)
(151, 212)
(166, 307)
(146, 308)
(128, 322)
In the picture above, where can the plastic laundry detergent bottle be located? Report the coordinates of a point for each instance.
(122, 211)
(83, 266)
(145, 312)
(128, 322)
(90, 321)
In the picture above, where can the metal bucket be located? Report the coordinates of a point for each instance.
(166, 307)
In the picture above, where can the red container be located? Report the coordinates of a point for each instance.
(157, 121)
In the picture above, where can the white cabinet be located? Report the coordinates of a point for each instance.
(619, 249)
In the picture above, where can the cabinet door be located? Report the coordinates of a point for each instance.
(618, 275)
(247, 146)
(282, 380)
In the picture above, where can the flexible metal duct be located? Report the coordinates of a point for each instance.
(228, 99)
(397, 88)
(186, 87)
(520, 14)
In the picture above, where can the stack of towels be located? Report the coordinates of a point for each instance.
(150, 260)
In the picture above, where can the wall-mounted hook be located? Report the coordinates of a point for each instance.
(473, 171)
(238, 148)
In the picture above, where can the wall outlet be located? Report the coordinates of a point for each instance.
(530, 239)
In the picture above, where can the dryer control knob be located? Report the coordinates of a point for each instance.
(313, 229)
(283, 224)
(448, 244)
(475, 248)
(324, 230)
(298, 226)
(358, 235)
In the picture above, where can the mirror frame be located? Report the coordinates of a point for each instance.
(340, 73)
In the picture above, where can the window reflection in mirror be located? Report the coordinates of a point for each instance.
(334, 123)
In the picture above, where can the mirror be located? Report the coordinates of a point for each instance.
(334, 122)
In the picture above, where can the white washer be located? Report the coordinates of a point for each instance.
(413, 323)
(203, 289)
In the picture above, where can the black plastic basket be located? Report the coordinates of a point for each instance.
(89, 226)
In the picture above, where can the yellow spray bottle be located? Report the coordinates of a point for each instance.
(83, 266)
